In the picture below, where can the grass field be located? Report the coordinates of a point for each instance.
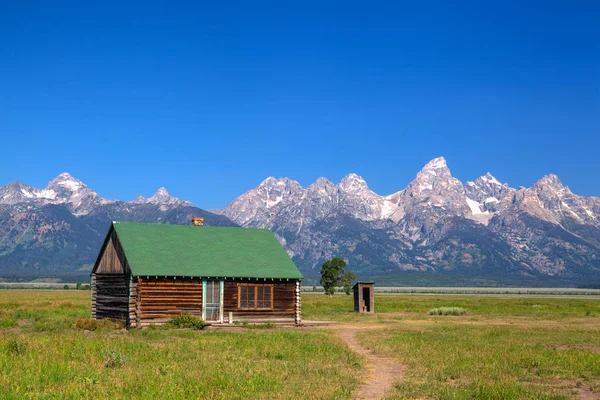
(504, 347)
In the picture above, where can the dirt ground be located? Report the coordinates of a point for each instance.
(380, 372)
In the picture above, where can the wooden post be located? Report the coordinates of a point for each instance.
(138, 311)
(93, 294)
(132, 314)
(297, 305)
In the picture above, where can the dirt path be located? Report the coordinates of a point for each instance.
(382, 373)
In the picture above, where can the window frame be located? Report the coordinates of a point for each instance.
(255, 286)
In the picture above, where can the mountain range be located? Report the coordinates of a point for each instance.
(435, 227)
(59, 229)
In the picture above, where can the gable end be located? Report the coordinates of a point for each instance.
(111, 259)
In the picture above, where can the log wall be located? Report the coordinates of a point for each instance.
(284, 306)
(146, 301)
(159, 299)
(110, 296)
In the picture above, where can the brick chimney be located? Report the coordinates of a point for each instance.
(197, 221)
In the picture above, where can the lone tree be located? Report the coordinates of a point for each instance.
(347, 280)
(332, 273)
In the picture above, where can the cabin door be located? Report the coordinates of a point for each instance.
(212, 300)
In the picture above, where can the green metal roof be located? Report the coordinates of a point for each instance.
(203, 251)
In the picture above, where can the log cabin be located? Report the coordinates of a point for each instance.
(147, 273)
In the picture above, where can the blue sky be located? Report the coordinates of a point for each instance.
(209, 99)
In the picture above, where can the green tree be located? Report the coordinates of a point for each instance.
(347, 280)
(331, 274)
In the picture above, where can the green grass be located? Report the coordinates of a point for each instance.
(44, 356)
(507, 347)
(483, 361)
(396, 307)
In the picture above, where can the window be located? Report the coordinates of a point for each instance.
(252, 297)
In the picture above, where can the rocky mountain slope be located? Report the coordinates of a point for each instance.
(61, 228)
(436, 224)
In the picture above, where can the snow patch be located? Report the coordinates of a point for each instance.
(47, 194)
(271, 203)
(388, 208)
(425, 187)
(491, 200)
(475, 207)
(26, 193)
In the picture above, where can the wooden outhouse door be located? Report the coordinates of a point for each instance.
(212, 300)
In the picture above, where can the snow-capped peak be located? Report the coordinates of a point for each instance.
(436, 163)
(322, 182)
(161, 196)
(489, 178)
(353, 183)
(66, 181)
(17, 192)
(551, 180)
(269, 181)
(281, 183)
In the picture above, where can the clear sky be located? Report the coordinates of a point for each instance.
(209, 98)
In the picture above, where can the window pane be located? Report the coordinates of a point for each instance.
(267, 298)
(255, 296)
(264, 297)
(244, 296)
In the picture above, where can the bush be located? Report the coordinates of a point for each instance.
(113, 359)
(90, 324)
(186, 321)
(447, 311)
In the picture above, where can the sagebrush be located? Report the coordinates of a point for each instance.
(447, 311)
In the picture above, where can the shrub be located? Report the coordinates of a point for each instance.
(447, 311)
(186, 321)
(113, 359)
(90, 324)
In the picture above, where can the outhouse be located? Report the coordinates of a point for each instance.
(364, 297)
